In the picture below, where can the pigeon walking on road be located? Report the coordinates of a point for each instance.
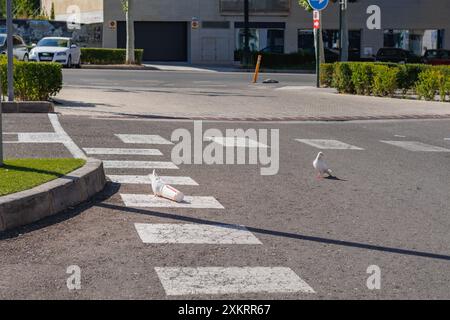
(321, 167)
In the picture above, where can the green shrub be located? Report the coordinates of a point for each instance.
(408, 76)
(384, 80)
(326, 74)
(444, 82)
(342, 78)
(33, 81)
(108, 56)
(362, 77)
(429, 83)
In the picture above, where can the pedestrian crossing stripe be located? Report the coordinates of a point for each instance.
(195, 234)
(328, 144)
(416, 146)
(143, 139)
(113, 164)
(122, 151)
(239, 142)
(151, 201)
(182, 281)
(171, 180)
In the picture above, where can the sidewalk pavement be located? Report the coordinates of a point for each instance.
(249, 102)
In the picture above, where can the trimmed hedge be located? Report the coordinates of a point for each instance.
(108, 56)
(385, 79)
(33, 81)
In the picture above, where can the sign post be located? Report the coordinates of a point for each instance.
(317, 5)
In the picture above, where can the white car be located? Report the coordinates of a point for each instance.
(57, 49)
(20, 49)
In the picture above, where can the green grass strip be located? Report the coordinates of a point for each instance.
(22, 174)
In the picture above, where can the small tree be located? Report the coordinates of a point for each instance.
(127, 6)
(52, 12)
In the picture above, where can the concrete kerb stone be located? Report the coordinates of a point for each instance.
(51, 198)
(28, 107)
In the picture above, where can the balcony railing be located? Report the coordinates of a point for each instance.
(263, 7)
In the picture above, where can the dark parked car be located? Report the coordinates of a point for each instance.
(396, 55)
(437, 57)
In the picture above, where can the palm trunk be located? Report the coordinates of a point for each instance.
(130, 58)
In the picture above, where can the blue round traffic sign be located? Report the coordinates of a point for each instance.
(318, 4)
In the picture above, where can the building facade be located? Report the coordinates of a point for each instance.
(76, 11)
(209, 31)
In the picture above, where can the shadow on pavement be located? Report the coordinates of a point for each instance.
(109, 191)
(282, 234)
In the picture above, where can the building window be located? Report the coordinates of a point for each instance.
(267, 40)
(263, 7)
(416, 41)
(216, 25)
(331, 43)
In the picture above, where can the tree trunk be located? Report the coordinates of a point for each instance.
(130, 58)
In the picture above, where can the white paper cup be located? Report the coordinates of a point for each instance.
(171, 193)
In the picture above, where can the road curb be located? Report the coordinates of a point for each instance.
(116, 67)
(293, 118)
(28, 107)
(51, 198)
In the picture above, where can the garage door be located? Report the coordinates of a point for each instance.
(161, 41)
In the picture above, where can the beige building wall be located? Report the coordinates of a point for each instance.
(395, 14)
(85, 11)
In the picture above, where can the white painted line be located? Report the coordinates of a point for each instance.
(142, 139)
(237, 142)
(68, 142)
(128, 179)
(195, 234)
(40, 137)
(120, 151)
(399, 136)
(150, 201)
(328, 144)
(416, 146)
(233, 280)
(448, 139)
(138, 164)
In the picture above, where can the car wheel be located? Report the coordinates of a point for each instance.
(69, 62)
(25, 58)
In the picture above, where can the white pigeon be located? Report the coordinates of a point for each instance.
(321, 167)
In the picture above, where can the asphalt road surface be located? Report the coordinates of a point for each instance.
(179, 79)
(287, 236)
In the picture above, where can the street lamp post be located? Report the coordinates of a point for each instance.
(246, 56)
(9, 31)
(343, 30)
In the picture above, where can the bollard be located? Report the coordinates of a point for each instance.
(258, 65)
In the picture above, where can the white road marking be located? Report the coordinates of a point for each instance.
(59, 136)
(237, 142)
(195, 234)
(138, 164)
(328, 144)
(416, 146)
(40, 137)
(151, 201)
(232, 280)
(399, 136)
(142, 139)
(448, 139)
(128, 179)
(121, 151)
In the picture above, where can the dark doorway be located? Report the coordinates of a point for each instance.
(161, 41)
